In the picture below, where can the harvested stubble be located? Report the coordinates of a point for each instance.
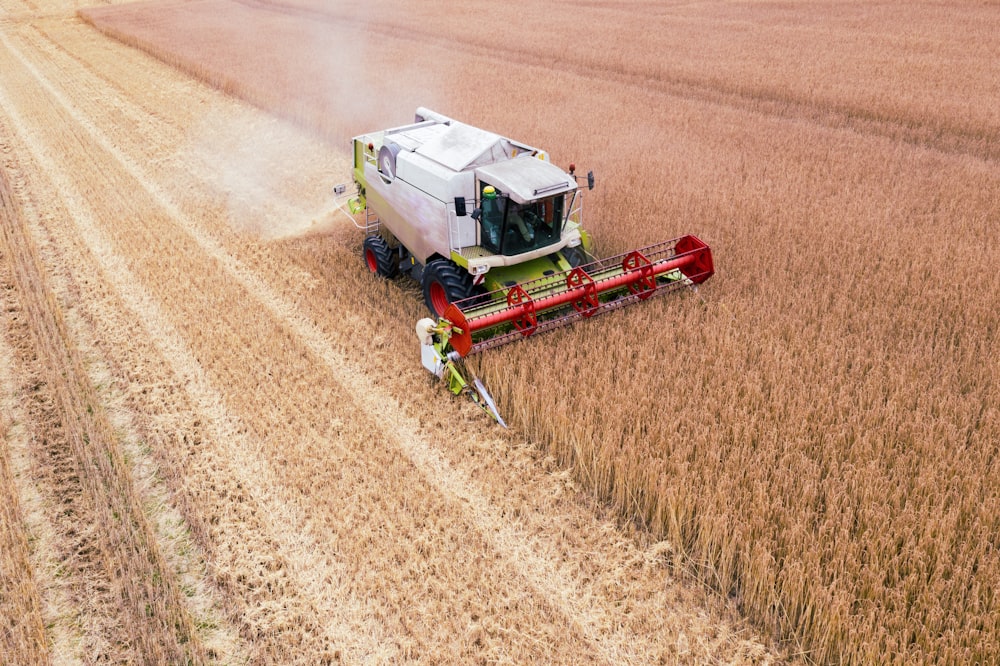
(818, 432)
(22, 636)
(153, 623)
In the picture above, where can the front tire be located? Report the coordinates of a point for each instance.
(444, 282)
(379, 257)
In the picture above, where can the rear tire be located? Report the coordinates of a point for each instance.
(379, 257)
(444, 282)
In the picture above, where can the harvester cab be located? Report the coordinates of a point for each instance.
(492, 230)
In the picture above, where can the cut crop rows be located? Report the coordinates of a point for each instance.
(816, 434)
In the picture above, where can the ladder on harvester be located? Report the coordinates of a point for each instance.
(372, 223)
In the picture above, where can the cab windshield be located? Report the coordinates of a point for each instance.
(511, 228)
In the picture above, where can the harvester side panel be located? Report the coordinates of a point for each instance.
(419, 221)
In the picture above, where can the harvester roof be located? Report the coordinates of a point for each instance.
(526, 178)
(451, 144)
(457, 146)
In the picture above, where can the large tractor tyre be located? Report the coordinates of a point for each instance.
(444, 283)
(380, 258)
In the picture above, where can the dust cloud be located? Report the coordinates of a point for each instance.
(323, 78)
(275, 181)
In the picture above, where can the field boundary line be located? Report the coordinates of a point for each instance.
(514, 547)
(224, 428)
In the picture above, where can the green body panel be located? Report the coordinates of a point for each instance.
(358, 204)
(506, 277)
(454, 372)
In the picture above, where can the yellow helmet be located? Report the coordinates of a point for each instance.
(489, 192)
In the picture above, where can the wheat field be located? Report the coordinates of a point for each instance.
(203, 461)
(797, 462)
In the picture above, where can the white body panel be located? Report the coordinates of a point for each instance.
(526, 179)
(438, 159)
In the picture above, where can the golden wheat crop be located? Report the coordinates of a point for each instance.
(815, 431)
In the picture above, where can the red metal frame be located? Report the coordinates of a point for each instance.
(634, 274)
(645, 284)
(588, 305)
(522, 310)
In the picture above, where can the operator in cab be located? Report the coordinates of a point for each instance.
(493, 216)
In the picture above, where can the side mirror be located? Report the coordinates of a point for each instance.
(477, 213)
(460, 207)
(590, 180)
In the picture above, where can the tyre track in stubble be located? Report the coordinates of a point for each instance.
(22, 632)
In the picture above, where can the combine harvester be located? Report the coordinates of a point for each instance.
(492, 231)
